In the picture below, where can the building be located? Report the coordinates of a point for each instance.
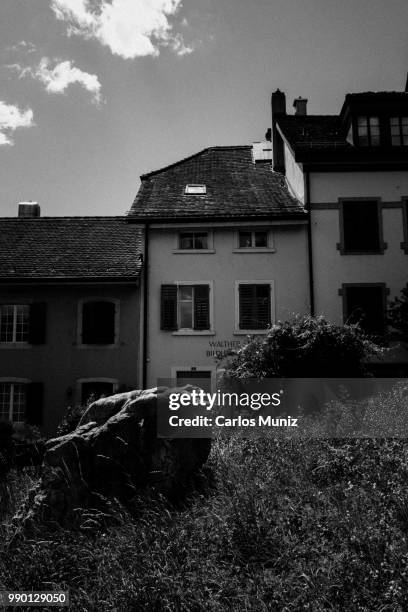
(225, 256)
(224, 243)
(313, 221)
(69, 313)
(350, 171)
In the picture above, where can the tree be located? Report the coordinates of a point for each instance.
(304, 347)
(398, 314)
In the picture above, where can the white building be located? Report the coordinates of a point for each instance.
(314, 221)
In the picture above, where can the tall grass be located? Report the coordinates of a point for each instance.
(285, 524)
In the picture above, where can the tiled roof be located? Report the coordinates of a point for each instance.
(83, 248)
(235, 188)
(313, 132)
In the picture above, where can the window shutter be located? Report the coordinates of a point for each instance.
(263, 306)
(246, 306)
(201, 307)
(37, 323)
(254, 306)
(168, 314)
(98, 323)
(34, 403)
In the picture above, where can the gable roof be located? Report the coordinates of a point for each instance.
(69, 248)
(236, 188)
(323, 138)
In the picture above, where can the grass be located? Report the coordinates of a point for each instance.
(286, 525)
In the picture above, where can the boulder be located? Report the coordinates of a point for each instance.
(113, 454)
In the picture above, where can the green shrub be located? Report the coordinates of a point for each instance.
(304, 347)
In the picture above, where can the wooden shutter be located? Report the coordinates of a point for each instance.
(246, 306)
(201, 307)
(168, 313)
(263, 306)
(37, 323)
(98, 322)
(34, 403)
(254, 306)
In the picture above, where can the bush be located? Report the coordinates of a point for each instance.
(70, 420)
(304, 347)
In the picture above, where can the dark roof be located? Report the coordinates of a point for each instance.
(64, 248)
(313, 131)
(236, 188)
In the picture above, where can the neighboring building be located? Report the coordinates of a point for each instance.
(351, 172)
(225, 256)
(69, 313)
(313, 220)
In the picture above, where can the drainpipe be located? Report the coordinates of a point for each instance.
(145, 305)
(309, 245)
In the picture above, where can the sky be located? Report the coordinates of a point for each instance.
(94, 93)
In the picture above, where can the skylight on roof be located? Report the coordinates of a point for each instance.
(196, 189)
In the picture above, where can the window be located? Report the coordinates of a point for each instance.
(185, 307)
(193, 240)
(254, 306)
(253, 239)
(14, 323)
(98, 320)
(196, 189)
(199, 378)
(365, 304)
(92, 390)
(399, 131)
(22, 324)
(368, 130)
(12, 402)
(361, 228)
(404, 245)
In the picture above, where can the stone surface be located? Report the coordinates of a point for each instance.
(113, 454)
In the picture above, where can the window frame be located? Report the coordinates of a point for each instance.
(382, 246)
(81, 303)
(254, 249)
(16, 343)
(205, 368)
(343, 294)
(400, 130)
(404, 244)
(245, 332)
(369, 128)
(196, 186)
(15, 381)
(95, 379)
(195, 230)
(186, 331)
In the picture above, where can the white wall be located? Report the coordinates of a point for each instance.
(287, 267)
(294, 175)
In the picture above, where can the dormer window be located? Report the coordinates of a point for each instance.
(368, 131)
(399, 131)
(195, 190)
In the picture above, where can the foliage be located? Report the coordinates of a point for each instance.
(71, 419)
(291, 524)
(304, 347)
(398, 313)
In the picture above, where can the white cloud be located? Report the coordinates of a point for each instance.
(12, 118)
(59, 78)
(130, 28)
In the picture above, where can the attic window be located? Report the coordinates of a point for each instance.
(196, 189)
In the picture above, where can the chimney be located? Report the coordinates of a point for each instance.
(29, 209)
(300, 105)
(278, 109)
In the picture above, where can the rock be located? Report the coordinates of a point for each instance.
(113, 454)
